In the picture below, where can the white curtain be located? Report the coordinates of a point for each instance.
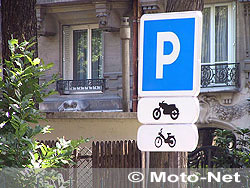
(205, 53)
(221, 33)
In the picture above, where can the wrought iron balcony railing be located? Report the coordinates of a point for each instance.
(220, 75)
(80, 86)
(214, 75)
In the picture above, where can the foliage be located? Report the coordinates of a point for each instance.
(58, 156)
(235, 152)
(34, 177)
(20, 93)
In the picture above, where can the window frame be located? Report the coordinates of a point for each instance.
(211, 75)
(231, 32)
(70, 66)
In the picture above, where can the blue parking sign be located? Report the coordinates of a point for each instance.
(170, 54)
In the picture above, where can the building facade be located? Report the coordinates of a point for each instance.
(92, 43)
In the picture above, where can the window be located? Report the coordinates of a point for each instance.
(218, 44)
(82, 52)
(82, 64)
(218, 39)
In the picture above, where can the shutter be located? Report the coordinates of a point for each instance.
(67, 75)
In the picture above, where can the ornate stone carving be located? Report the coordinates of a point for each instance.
(40, 14)
(43, 27)
(230, 113)
(103, 13)
(152, 6)
(204, 111)
(211, 108)
(73, 105)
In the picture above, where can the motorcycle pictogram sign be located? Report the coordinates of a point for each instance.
(164, 110)
(168, 109)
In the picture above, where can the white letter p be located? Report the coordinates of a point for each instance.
(162, 59)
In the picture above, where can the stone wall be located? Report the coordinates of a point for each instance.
(102, 126)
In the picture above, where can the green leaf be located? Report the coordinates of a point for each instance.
(2, 124)
(58, 145)
(36, 61)
(24, 43)
(13, 42)
(30, 45)
(18, 56)
(14, 100)
(30, 60)
(18, 95)
(43, 149)
(49, 65)
(18, 63)
(15, 107)
(36, 156)
(64, 161)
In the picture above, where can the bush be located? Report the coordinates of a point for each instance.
(235, 151)
(20, 94)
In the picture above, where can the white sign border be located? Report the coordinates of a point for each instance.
(197, 53)
(168, 120)
(192, 127)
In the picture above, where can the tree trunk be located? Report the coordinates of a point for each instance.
(19, 22)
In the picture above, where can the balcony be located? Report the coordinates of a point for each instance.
(66, 87)
(224, 75)
(220, 75)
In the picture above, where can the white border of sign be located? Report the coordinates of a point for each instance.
(186, 137)
(197, 53)
(188, 110)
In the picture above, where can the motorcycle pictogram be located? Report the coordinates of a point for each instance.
(167, 109)
(170, 140)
